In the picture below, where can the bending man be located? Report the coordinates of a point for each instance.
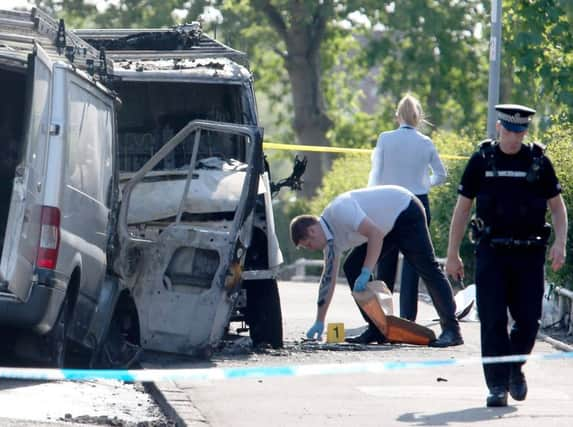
(373, 222)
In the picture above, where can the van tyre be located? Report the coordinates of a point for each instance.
(263, 313)
(56, 338)
(119, 347)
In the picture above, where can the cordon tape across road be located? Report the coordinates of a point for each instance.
(206, 374)
(329, 149)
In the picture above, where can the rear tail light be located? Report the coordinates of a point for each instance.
(49, 238)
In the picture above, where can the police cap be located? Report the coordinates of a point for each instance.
(514, 117)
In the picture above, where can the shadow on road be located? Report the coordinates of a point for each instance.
(469, 415)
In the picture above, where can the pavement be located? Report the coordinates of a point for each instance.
(434, 394)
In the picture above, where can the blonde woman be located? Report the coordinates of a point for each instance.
(408, 158)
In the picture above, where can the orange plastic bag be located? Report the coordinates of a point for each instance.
(395, 329)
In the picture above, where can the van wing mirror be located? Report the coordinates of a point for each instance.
(294, 181)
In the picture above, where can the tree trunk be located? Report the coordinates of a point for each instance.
(310, 120)
(303, 37)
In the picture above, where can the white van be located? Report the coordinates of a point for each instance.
(58, 188)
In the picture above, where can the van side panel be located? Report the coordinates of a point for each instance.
(23, 226)
(87, 173)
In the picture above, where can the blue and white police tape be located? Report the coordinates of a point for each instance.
(159, 375)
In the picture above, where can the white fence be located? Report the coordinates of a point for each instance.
(299, 270)
(564, 304)
(300, 273)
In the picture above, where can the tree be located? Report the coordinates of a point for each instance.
(74, 12)
(438, 51)
(299, 30)
(300, 27)
(309, 57)
(438, 44)
(121, 14)
(140, 13)
(537, 55)
(309, 40)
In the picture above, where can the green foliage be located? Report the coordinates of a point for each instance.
(342, 89)
(348, 173)
(357, 131)
(443, 197)
(435, 50)
(560, 151)
(538, 54)
(75, 12)
(123, 14)
(140, 14)
(284, 212)
(438, 50)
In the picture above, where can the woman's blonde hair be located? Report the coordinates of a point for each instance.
(410, 111)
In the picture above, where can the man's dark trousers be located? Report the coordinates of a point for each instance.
(409, 278)
(508, 278)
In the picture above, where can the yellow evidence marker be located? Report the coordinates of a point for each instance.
(335, 332)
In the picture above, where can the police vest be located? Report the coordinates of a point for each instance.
(509, 201)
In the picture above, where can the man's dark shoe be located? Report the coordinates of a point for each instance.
(517, 384)
(497, 397)
(366, 337)
(448, 338)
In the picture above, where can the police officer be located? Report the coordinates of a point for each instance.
(513, 183)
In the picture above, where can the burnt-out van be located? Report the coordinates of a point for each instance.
(58, 187)
(196, 241)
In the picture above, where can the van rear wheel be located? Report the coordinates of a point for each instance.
(57, 337)
(263, 312)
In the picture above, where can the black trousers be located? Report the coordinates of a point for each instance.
(508, 278)
(409, 278)
(410, 235)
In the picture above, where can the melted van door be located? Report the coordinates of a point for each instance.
(23, 226)
(184, 234)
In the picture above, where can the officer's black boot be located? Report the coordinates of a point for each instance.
(517, 383)
(497, 397)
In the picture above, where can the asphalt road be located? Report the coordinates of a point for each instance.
(435, 395)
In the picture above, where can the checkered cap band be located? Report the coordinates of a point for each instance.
(514, 118)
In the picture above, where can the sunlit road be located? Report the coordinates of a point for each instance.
(429, 396)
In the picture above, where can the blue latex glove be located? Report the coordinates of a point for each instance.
(315, 332)
(362, 280)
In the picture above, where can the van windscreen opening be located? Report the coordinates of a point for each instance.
(153, 114)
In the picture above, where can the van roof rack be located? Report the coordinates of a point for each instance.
(20, 29)
(185, 41)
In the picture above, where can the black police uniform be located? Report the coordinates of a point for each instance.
(512, 193)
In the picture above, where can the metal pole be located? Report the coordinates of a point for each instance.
(494, 66)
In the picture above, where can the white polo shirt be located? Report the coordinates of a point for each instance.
(382, 204)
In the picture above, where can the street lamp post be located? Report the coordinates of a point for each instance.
(494, 66)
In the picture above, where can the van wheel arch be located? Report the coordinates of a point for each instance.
(57, 339)
(257, 256)
(263, 312)
(120, 346)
